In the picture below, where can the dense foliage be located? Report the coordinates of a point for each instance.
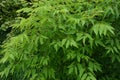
(63, 40)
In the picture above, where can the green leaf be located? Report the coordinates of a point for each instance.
(67, 43)
(73, 43)
(71, 69)
(102, 29)
(84, 76)
(79, 36)
(25, 10)
(64, 41)
(81, 70)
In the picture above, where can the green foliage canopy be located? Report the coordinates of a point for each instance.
(64, 40)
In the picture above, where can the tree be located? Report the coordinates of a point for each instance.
(64, 40)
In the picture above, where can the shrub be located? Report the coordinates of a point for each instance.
(64, 40)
